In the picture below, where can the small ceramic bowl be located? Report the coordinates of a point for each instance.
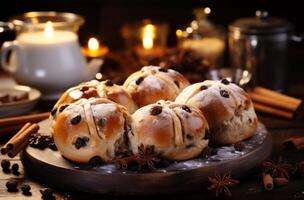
(18, 107)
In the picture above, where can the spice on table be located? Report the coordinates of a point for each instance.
(47, 194)
(294, 143)
(5, 164)
(280, 181)
(146, 158)
(221, 184)
(279, 169)
(26, 190)
(15, 168)
(12, 185)
(268, 181)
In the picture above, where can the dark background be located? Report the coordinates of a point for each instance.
(104, 18)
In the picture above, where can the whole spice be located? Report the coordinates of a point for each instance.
(280, 181)
(41, 142)
(268, 181)
(146, 158)
(221, 184)
(26, 190)
(12, 185)
(47, 194)
(279, 169)
(15, 168)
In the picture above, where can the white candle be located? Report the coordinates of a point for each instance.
(52, 57)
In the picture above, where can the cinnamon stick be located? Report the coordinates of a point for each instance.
(280, 181)
(278, 96)
(273, 102)
(294, 143)
(273, 111)
(268, 181)
(20, 140)
(23, 119)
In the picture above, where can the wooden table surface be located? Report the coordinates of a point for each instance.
(250, 187)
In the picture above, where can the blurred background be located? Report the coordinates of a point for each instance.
(105, 18)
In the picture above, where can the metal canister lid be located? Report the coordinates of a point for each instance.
(261, 24)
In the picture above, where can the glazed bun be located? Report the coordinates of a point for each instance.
(90, 127)
(227, 108)
(94, 88)
(177, 131)
(153, 83)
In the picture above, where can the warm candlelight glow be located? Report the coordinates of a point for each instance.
(49, 30)
(148, 36)
(207, 10)
(93, 44)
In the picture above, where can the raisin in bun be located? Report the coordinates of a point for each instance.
(94, 88)
(227, 108)
(90, 128)
(176, 131)
(153, 83)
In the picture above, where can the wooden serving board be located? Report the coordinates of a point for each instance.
(50, 168)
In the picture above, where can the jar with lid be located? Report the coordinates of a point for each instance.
(259, 46)
(204, 38)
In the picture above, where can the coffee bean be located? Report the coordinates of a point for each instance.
(26, 190)
(12, 185)
(139, 80)
(15, 167)
(224, 93)
(76, 120)
(225, 82)
(156, 110)
(47, 194)
(5, 164)
(203, 87)
(109, 83)
(186, 108)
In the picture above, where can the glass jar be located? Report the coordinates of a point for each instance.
(259, 47)
(35, 21)
(205, 38)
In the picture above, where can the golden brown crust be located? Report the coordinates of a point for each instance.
(88, 128)
(94, 88)
(153, 83)
(228, 109)
(176, 131)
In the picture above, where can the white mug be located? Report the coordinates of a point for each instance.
(50, 65)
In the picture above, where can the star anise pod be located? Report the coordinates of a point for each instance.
(146, 158)
(221, 184)
(279, 169)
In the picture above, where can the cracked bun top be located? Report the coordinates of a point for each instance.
(177, 131)
(153, 83)
(227, 108)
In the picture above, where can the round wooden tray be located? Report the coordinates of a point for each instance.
(50, 168)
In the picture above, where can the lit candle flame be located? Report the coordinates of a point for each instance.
(49, 30)
(93, 44)
(148, 36)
